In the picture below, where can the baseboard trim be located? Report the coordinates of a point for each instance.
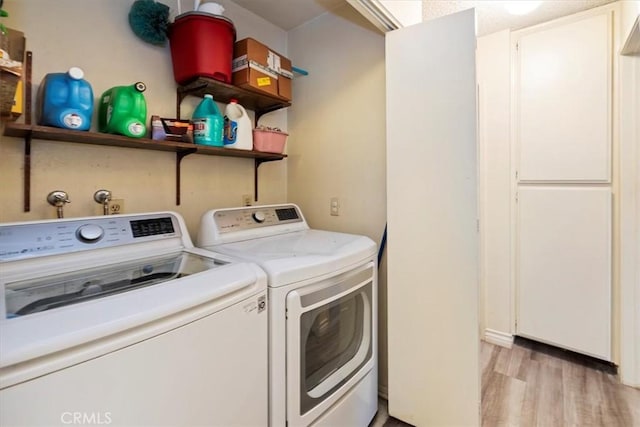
(383, 391)
(502, 339)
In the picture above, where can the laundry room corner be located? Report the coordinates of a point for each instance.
(337, 143)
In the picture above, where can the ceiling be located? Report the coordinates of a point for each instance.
(288, 14)
(492, 16)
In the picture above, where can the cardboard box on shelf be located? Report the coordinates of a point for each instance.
(284, 79)
(258, 68)
(12, 47)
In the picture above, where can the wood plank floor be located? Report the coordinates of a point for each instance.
(533, 384)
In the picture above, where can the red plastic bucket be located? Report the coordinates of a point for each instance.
(201, 46)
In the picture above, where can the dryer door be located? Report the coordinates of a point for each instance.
(330, 337)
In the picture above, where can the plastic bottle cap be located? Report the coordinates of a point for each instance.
(233, 101)
(76, 73)
(208, 95)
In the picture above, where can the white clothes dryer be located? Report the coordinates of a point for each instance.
(322, 289)
(119, 320)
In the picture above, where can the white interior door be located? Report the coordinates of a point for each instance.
(564, 102)
(432, 251)
(563, 132)
(564, 271)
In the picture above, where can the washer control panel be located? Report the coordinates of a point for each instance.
(231, 220)
(34, 239)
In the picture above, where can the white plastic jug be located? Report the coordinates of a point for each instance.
(237, 127)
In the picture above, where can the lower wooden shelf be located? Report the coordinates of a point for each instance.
(45, 133)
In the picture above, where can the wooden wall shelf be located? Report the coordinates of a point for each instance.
(223, 92)
(45, 133)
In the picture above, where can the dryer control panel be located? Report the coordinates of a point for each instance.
(230, 220)
(227, 225)
(53, 237)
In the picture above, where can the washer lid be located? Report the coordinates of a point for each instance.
(301, 255)
(25, 297)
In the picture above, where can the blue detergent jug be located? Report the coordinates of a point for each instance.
(208, 123)
(65, 100)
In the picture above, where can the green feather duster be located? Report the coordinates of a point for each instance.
(149, 20)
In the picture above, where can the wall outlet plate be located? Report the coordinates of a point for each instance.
(116, 206)
(334, 206)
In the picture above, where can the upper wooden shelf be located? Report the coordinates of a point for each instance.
(95, 138)
(223, 92)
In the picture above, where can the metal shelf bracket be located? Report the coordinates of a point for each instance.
(257, 163)
(179, 156)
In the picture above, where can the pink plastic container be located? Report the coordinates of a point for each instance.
(269, 141)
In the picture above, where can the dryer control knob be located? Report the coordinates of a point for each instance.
(90, 233)
(259, 217)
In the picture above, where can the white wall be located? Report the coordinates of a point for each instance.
(95, 35)
(337, 131)
(494, 86)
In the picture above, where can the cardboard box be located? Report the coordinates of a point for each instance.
(250, 67)
(258, 68)
(11, 100)
(284, 78)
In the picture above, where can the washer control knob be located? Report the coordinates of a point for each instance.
(259, 217)
(90, 233)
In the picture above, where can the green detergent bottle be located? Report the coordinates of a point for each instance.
(123, 110)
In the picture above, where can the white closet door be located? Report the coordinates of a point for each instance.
(564, 267)
(564, 102)
(432, 252)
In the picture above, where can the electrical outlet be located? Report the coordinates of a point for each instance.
(116, 206)
(246, 200)
(334, 206)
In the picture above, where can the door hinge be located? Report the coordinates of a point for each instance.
(516, 197)
(516, 175)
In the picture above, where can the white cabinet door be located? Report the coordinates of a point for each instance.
(432, 252)
(564, 267)
(563, 90)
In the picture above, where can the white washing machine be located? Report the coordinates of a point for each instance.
(322, 289)
(119, 320)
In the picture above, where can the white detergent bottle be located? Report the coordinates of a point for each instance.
(237, 127)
